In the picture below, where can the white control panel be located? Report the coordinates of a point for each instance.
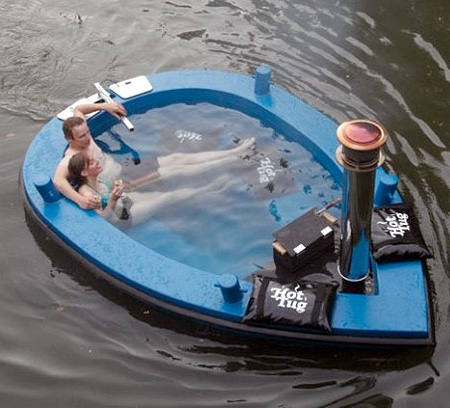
(131, 87)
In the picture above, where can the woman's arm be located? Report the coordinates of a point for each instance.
(108, 212)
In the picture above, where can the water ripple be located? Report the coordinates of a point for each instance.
(70, 340)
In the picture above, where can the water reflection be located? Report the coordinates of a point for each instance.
(382, 60)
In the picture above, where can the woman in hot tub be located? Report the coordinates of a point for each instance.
(131, 208)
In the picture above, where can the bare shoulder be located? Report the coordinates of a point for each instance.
(86, 191)
(69, 153)
(63, 165)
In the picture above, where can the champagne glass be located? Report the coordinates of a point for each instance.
(119, 182)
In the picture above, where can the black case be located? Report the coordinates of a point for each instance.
(304, 239)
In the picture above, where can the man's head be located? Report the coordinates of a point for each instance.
(76, 132)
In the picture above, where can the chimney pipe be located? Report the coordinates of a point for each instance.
(360, 154)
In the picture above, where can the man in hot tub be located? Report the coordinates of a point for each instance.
(76, 132)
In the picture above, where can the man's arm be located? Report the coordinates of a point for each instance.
(61, 177)
(115, 109)
(61, 182)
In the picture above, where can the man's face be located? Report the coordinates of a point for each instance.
(81, 137)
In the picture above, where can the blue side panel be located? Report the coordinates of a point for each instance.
(399, 309)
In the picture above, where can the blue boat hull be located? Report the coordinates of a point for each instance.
(398, 313)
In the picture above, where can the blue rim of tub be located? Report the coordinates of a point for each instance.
(398, 314)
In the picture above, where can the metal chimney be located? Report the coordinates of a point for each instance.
(359, 154)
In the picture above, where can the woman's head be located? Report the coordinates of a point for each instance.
(81, 167)
(77, 167)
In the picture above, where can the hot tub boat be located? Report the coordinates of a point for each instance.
(371, 302)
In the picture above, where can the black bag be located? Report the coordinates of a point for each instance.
(396, 235)
(301, 304)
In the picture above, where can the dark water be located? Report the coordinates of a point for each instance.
(69, 340)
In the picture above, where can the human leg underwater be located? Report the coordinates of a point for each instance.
(194, 164)
(175, 165)
(146, 204)
(182, 159)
